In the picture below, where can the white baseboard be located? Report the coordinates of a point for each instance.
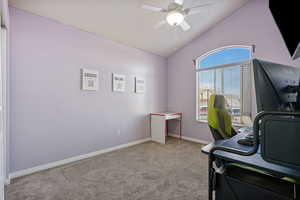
(189, 139)
(70, 160)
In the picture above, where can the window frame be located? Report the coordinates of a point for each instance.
(198, 59)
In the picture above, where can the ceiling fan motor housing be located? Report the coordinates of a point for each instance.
(175, 18)
(174, 6)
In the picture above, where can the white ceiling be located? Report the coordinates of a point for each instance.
(125, 22)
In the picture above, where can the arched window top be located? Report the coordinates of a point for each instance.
(223, 56)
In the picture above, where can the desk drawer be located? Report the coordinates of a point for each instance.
(249, 185)
(172, 117)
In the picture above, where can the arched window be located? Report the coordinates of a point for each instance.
(225, 71)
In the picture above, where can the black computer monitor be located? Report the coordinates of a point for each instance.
(277, 89)
(277, 86)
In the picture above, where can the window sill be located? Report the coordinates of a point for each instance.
(202, 121)
(233, 124)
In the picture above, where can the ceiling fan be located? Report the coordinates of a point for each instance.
(176, 13)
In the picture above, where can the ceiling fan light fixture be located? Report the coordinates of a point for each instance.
(175, 18)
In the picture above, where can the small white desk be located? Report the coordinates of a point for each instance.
(159, 125)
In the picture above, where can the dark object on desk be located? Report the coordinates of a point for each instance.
(246, 141)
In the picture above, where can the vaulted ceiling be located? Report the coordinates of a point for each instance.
(124, 21)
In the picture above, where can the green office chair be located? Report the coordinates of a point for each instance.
(219, 119)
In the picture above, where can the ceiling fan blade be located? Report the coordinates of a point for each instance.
(185, 26)
(196, 9)
(188, 3)
(160, 24)
(153, 8)
(180, 2)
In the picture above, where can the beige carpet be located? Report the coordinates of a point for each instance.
(148, 171)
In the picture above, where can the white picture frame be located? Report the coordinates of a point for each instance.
(118, 82)
(139, 85)
(89, 79)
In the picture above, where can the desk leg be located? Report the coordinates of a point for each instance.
(211, 173)
(297, 192)
(180, 133)
(166, 128)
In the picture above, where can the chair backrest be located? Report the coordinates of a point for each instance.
(219, 119)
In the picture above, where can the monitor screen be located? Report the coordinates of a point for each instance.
(276, 86)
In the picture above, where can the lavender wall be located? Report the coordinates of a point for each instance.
(5, 90)
(252, 24)
(51, 118)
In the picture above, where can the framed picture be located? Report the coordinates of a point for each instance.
(89, 79)
(119, 82)
(139, 85)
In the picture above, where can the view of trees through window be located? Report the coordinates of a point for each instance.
(225, 72)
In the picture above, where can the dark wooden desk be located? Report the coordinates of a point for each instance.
(254, 160)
